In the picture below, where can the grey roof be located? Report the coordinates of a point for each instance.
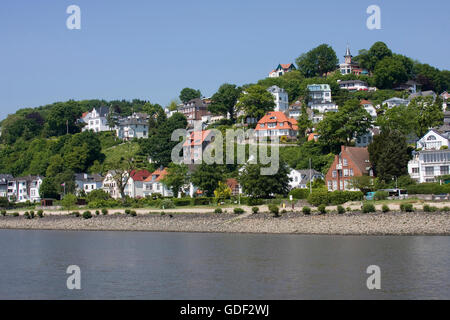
(4, 178)
(103, 111)
(305, 175)
(132, 121)
(347, 52)
(27, 178)
(428, 93)
(353, 81)
(83, 177)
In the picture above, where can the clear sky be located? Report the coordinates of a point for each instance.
(152, 49)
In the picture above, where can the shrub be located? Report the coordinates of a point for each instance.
(428, 208)
(40, 213)
(428, 188)
(117, 213)
(3, 212)
(368, 207)
(340, 210)
(445, 209)
(336, 197)
(127, 211)
(381, 195)
(319, 197)
(306, 211)
(97, 212)
(322, 209)
(238, 210)
(385, 208)
(32, 214)
(133, 213)
(299, 193)
(104, 211)
(202, 201)
(87, 215)
(406, 207)
(255, 210)
(253, 201)
(218, 210)
(76, 214)
(27, 215)
(167, 204)
(273, 208)
(15, 214)
(182, 202)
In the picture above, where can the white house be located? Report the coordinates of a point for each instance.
(24, 189)
(394, 102)
(281, 98)
(444, 96)
(135, 185)
(277, 124)
(368, 106)
(281, 69)
(295, 110)
(4, 179)
(320, 98)
(429, 164)
(301, 178)
(353, 85)
(153, 184)
(135, 126)
(96, 120)
(88, 182)
(110, 185)
(433, 140)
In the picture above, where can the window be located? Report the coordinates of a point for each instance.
(444, 170)
(345, 172)
(351, 173)
(429, 171)
(334, 174)
(416, 170)
(345, 162)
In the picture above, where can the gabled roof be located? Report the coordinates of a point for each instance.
(83, 177)
(359, 157)
(277, 117)
(157, 175)
(197, 138)
(364, 102)
(139, 175)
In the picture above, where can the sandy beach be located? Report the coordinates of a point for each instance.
(350, 223)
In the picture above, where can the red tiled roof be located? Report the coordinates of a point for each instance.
(359, 156)
(277, 117)
(312, 136)
(140, 175)
(364, 101)
(197, 138)
(286, 66)
(159, 175)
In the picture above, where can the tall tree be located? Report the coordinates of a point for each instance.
(207, 177)
(428, 114)
(176, 178)
(188, 94)
(389, 72)
(343, 126)
(63, 118)
(369, 59)
(255, 101)
(389, 155)
(318, 61)
(224, 100)
(264, 186)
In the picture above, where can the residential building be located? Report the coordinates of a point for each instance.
(394, 102)
(295, 110)
(133, 127)
(276, 124)
(96, 120)
(24, 189)
(281, 98)
(135, 185)
(433, 140)
(4, 179)
(367, 138)
(410, 86)
(349, 163)
(153, 184)
(301, 178)
(195, 144)
(235, 187)
(444, 96)
(320, 98)
(195, 109)
(428, 93)
(281, 69)
(353, 85)
(427, 165)
(368, 106)
(110, 185)
(349, 66)
(88, 182)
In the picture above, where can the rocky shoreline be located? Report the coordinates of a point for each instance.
(350, 223)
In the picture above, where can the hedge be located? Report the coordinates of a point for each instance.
(429, 188)
(182, 202)
(299, 193)
(335, 198)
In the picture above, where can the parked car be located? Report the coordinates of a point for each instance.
(370, 196)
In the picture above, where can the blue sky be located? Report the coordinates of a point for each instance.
(152, 49)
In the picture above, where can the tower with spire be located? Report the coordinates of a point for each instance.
(348, 56)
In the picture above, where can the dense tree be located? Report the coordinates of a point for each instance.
(428, 114)
(188, 94)
(399, 118)
(176, 178)
(224, 100)
(207, 177)
(343, 126)
(48, 189)
(255, 101)
(63, 118)
(264, 186)
(389, 72)
(389, 155)
(318, 61)
(82, 150)
(369, 59)
(298, 157)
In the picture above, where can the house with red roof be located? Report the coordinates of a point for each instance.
(153, 184)
(195, 144)
(281, 69)
(349, 163)
(369, 107)
(135, 185)
(276, 124)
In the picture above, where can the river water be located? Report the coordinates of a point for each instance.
(146, 265)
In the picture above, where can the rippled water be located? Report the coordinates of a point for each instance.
(135, 265)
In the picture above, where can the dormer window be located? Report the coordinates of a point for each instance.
(431, 138)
